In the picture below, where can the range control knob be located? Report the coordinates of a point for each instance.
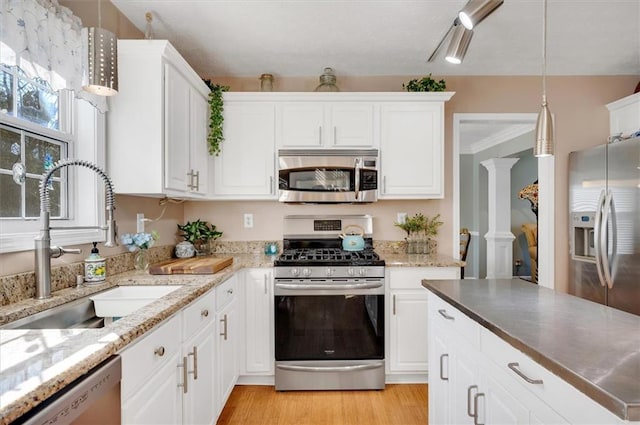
(362, 272)
(329, 271)
(351, 272)
(306, 272)
(295, 272)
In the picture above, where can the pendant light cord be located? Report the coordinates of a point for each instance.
(544, 51)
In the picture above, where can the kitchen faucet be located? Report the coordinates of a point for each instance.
(44, 251)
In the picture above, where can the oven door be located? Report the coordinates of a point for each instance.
(329, 324)
(321, 177)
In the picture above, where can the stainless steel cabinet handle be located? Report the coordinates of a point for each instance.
(271, 187)
(204, 313)
(384, 184)
(394, 305)
(469, 412)
(159, 351)
(320, 135)
(195, 362)
(196, 186)
(265, 284)
(335, 135)
(444, 314)
(475, 408)
(514, 367)
(224, 331)
(442, 377)
(190, 185)
(185, 375)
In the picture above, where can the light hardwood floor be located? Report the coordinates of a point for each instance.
(396, 405)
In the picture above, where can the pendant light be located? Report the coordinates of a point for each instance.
(101, 66)
(544, 125)
(476, 10)
(459, 44)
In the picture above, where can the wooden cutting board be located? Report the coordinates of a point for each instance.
(194, 265)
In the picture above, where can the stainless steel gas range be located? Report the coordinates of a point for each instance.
(329, 307)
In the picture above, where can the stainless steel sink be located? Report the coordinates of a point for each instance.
(75, 314)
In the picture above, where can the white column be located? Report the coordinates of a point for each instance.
(499, 237)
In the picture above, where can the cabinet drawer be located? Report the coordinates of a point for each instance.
(143, 358)
(197, 315)
(445, 315)
(562, 397)
(225, 293)
(411, 277)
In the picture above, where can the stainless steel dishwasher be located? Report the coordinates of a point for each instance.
(92, 399)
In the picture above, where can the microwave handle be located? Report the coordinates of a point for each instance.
(357, 171)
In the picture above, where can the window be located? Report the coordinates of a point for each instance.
(39, 126)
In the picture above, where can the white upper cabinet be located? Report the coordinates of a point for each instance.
(317, 124)
(412, 150)
(624, 115)
(157, 124)
(245, 168)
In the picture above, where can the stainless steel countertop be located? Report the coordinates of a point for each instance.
(592, 347)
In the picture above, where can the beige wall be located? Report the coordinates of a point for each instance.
(581, 118)
(577, 104)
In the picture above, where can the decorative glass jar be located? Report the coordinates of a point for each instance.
(266, 82)
(141, 260)
(327, 81)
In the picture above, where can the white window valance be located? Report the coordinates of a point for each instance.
(45, 40)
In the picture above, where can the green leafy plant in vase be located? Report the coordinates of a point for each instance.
(421, 232)
(201, 234)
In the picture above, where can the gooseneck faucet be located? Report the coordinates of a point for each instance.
(44, 251)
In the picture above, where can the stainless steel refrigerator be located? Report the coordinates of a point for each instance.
(604, 205)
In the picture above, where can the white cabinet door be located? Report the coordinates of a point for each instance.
(412, 150)
(497, 405)
(177, 129)
(245, 168)
(258, 310)
(199, 150)
(408, 331)
(464, 382)
(227, 354)
(300, 125)
(159, 401)
(440, 357)
(351, 125)
(199, 406)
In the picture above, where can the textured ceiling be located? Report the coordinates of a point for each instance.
(394, 37)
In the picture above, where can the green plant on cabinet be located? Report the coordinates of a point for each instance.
(425, 84)
(216, 118)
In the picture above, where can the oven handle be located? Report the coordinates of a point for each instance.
(304, 286)
(357, 176)
(331, 368)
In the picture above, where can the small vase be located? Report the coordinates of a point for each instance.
(141, 260)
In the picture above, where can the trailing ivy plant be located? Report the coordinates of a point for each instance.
(216, 119)
(425, 84)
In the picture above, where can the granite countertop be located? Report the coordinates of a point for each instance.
(38, 363)
(593, 347)
(400, 259)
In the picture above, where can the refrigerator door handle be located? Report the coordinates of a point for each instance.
(597, 230)
(609, 211)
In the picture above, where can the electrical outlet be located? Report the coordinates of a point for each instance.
(248, 221)
(401, 217)
(139, 222)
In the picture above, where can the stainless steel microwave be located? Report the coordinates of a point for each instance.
(328, 176)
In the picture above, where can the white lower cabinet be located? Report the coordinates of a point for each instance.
(228, 335)
(407, 320)
(477, 378)
(168, 376)
(258, 350)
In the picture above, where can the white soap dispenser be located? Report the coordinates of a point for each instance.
(95, 267)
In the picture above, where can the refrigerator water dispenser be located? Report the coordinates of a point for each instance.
(582, 236)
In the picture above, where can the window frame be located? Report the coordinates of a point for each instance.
(82, 126)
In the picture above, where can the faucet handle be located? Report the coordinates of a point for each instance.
(59, 251)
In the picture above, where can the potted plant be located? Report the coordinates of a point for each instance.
(425, 84)
(200, 234)
(421, 231)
